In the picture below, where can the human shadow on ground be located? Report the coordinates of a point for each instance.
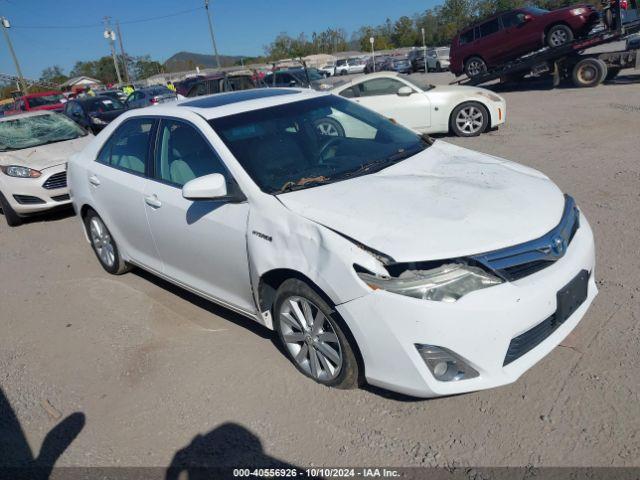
(217, 453)
(17, 461)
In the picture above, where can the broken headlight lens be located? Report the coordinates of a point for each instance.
(446, 283)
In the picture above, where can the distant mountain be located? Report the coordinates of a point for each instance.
(189, 60)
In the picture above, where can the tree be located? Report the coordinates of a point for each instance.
(53, 75)
(404, 32)
(144, 67)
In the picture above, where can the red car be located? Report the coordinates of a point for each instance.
(511, 34)
(41, 101)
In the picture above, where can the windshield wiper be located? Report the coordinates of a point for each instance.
(291, 186)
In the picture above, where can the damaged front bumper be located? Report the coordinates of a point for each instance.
(477, 328)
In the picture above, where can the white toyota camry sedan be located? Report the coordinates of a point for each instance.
(378, 256)
(460, 110)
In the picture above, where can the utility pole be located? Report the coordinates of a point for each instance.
(110, 36)
(213, 39)
(5, 26)
(124, 55)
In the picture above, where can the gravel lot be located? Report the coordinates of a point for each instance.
(155, 371)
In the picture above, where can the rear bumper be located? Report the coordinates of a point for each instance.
(479, 327)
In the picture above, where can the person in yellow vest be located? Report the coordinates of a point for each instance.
(90, 92)
(128, 90)
(171, 86)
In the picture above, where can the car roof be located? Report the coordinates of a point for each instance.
(230, 103)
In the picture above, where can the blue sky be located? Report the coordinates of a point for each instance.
(243, 27)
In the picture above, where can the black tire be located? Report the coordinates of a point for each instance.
(612, 73)
(118, 266)
(559, 35)
(10, 215)
(348, 375)
(438, 67)
(329, 126)
(474, 66)
(343, 72)
(474, 130)
(588, 72)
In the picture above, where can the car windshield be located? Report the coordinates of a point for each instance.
(420, 85)
(101, 105)
(27, 132)
(312, 142)
(44, 100)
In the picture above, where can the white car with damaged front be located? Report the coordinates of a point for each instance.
(376, 256)
(460, 110)
(34, 149)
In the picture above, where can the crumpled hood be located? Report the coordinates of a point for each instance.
(445, 202)
(45, 156)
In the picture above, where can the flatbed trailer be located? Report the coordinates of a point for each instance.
(569, 61)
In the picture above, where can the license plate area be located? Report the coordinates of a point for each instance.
(571, 296)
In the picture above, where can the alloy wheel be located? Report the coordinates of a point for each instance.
(558, 37)
(102, 242)
(469, 120)
(475, 67)
(310, 338)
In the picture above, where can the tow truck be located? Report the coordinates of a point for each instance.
(569, 61)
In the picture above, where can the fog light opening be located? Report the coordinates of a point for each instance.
(444, 365)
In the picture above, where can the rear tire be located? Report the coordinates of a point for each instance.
(469, 119)
(10, 215)
(474, 66)
(588, 72)
(317, 344)
(559, 35)
(438, 67)
(103, 244)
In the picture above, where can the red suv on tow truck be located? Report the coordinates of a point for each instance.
(509, 35)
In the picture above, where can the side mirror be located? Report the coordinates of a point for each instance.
(405, 91)
(208, 187)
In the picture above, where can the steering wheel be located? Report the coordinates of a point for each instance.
(332, 142)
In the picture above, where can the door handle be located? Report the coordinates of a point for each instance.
(93, 180)
(152, 201)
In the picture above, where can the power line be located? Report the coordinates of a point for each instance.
(95, 25)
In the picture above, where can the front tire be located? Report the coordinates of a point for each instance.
(313, 336)
(469, 119)
(103, 244)
(559, 35)
(10, 215)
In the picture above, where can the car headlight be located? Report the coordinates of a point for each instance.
(489, 95)
(21, 172)
(446, 283)
(578, 11)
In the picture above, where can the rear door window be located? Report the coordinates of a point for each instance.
(512, 19)
(489, 28)
(128, 147)
(466, 37)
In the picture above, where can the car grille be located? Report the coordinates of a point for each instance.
(519, 261)
(61, 198)
(28, 200)
(55, 181)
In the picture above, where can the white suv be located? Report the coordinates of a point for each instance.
(374, 253)
(345, 66)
